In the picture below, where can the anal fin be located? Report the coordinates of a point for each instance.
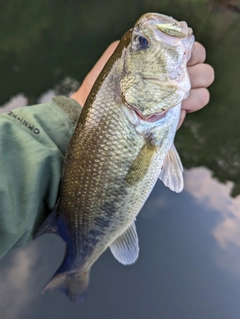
(125, 248)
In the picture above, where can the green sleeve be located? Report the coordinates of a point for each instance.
(33, 143)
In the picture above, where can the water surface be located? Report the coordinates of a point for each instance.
(189, 264)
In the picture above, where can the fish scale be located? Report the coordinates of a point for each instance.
(117, 153)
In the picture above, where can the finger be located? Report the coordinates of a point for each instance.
(82, 93)
(198, 54)
(97, 68)
(201, 75)
(197, 99)
(182, 117)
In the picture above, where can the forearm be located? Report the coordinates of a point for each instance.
(33, 142)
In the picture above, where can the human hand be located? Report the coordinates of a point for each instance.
(201, 76)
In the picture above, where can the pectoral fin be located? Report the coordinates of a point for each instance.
(125, 248)
(172, 171)
(140, 165)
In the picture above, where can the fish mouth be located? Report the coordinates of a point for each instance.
(151, 118)
(167, 29)
(166, 24)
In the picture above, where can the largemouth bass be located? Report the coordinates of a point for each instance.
(122, 144)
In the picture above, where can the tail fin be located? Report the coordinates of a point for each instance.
(74, 285)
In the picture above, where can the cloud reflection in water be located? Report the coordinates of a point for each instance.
(216, 196)
(17, 282)
(16, 101)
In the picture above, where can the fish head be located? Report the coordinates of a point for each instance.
(155, 76)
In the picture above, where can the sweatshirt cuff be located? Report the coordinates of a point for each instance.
(70, 108)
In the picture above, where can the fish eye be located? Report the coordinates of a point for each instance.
(142, 42)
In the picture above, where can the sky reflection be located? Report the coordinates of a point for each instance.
(216, 196)
(64, 87)
(16, 101)
(17, 282)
